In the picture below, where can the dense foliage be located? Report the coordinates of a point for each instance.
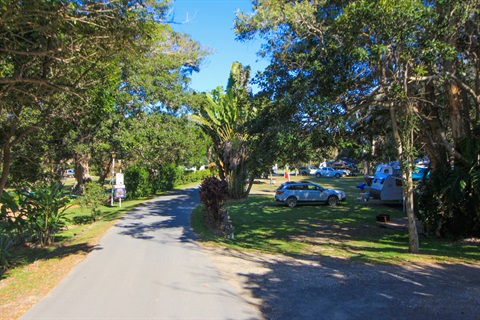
(377, 71)
(142, 182)
(36, 213)
(93, 198)
(72, 72)
(224, 117)
(136, 182)
(449, 200)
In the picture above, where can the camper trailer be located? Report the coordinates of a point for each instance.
(383, 170)
(387, 188)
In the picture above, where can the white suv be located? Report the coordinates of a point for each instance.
(292, 193)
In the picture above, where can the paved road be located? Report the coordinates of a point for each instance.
(146, 267)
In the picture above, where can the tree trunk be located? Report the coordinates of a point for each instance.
(413, 243)
(455, 108)
(6, 162)
(234, 157)
(81, 173)
(105, 171)
(431, 132)
(405, 148)
(249, 187)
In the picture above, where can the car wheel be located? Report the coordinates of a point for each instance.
(338, 175)
(318, 175)
(291, 202)
(332, 200)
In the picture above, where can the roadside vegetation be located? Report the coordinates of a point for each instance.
(41, 218)
(30, 270)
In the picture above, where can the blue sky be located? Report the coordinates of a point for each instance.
(210, 22)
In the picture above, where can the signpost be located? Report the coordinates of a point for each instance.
(120, 191)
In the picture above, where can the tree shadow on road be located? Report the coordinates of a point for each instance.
(165, 212)
(315, 287)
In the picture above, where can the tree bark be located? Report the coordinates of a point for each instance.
(6, 162)
(405, 148)
(431, 132)
(455, 108)
(81, 173)
(105, 171)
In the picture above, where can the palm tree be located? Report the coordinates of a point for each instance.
(222, 117)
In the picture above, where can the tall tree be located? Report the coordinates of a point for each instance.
(60, 60)
(49, 50)
(223, 116)
(358, 57)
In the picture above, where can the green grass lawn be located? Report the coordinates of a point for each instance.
(349, 230)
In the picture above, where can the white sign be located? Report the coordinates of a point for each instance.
(119, 179)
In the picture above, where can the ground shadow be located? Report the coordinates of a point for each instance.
(312, 287)
(171, 210)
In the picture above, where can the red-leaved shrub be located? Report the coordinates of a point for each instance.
(213, 193)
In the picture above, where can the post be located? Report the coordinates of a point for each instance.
(113, 174)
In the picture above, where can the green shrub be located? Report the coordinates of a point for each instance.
(93, 197)
(137, 182)
(449, 203)
(190, 177)
(140, 181)
(6, 256)
(165, 178)
(46, 207)
(14, 214)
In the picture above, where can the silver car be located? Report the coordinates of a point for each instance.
(293, 193)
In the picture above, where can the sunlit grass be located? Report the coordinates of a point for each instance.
(348, 231)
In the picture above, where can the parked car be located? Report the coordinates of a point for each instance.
(345, 172)
(328, 172)
(307, 170)
(294, 193)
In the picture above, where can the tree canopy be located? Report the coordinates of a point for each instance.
(356, 66)
(77, 63)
